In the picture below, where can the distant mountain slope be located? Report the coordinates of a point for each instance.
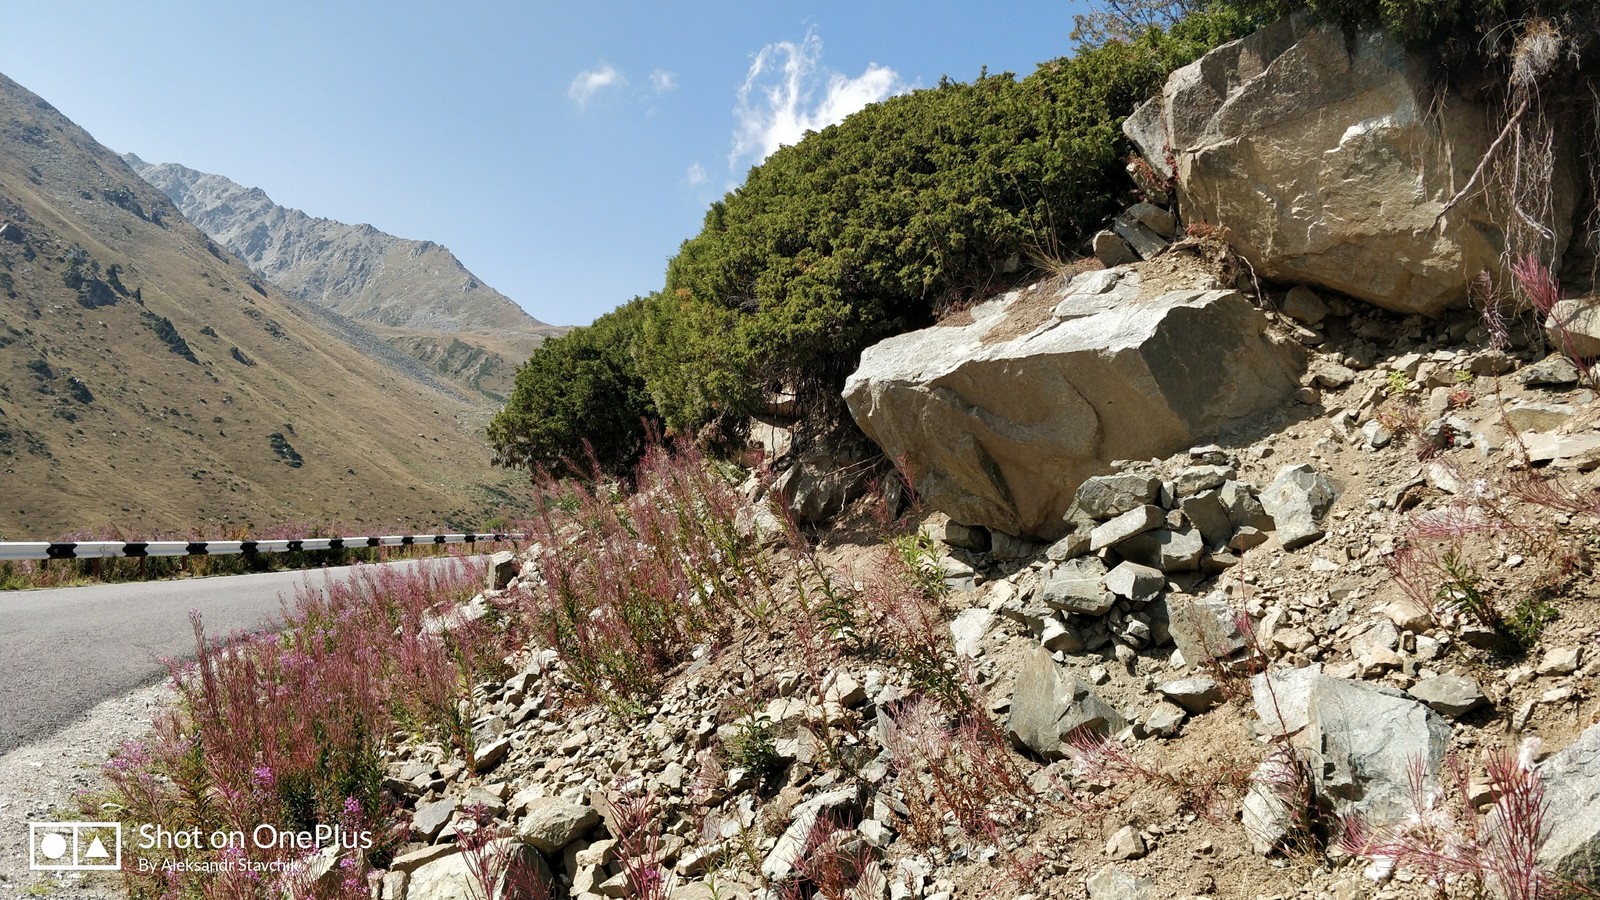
(408, 292)
(149, 380)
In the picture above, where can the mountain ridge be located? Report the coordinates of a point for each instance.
(151, 383)
(272, 239)
(414, 294)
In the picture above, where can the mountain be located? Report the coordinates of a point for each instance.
(414, 294)
(151, 382)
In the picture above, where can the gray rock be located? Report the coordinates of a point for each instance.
(968, 629)
(1196, 694)
(1048, 704)
(1108, 496)
(1075, 544)
(1268, 818)
(1304, 306)
(1007, 547)
(1194, 479)
(1452, 695)
(1561, 660)
(1112, 250)
(779, 863)
(503, 566)
(430, 818)
(1527, 416)
(1111, 883)
(1023, 421)
(456, 616)
(1573, 326)
(1032, 614)
(1205, 628)
(1544, 447)
(1134, 521)
(1376, 435)
(1148, 132)
(823, 482)
(1125, 844)
(1144, 241)
(1078, 586)
(1245, 538)
(1153, 217)
(487, 755)
(1165, 549)
(1206, 512)
(1283, 703)
(1332, 375)
(1163, 720)
(1135, 582)
(1244, 509)
(1368, 739)
(1554, 370)
(452, 878)
(1059, 636)
(962, 537)
(1572, 790)
(551, 823)
(1297, 499)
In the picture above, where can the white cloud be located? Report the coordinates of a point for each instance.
(589, 83)
(663, 81)
(787, 92)
(696, 175)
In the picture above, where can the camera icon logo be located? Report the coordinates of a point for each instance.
(75, 846)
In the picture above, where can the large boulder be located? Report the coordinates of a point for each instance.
(1027, 403)
(1329, 159)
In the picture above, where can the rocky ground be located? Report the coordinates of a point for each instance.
(1182, 577)
(1273, 548)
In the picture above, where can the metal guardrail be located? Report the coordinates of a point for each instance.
(138, 549)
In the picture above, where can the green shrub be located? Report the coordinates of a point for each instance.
(579, 393)
(1459, 29)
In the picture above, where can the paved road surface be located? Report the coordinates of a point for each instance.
(64, 650)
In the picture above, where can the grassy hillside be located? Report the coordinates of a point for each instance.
(149, 381)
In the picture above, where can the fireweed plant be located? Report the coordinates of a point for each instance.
(288, 730)
(629, 582)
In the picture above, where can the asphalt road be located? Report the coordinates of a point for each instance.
(64, 650)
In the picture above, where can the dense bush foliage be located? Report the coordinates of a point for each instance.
(580, 393)
(1463, 31)
(863, 230)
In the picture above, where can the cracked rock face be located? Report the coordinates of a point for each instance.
(999, 428)
(1320, 156)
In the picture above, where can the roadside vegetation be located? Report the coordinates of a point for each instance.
(291, 728)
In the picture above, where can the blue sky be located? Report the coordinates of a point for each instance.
(563, 151)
